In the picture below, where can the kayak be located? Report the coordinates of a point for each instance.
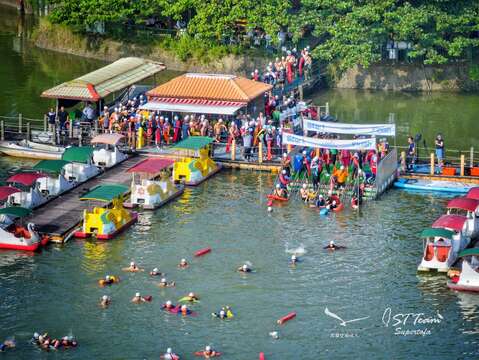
(202, 353)
(276, 197)
(454, 187)
(203, 252)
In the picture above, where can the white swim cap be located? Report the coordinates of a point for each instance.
(184, 307)
(107, 277)
(132, 263)
(105, 297)
(208, 348)
(341, 167)
(278, 186)
(334, 202)
(331, 242)
(293, 257)
(36, 335)
(222, 312)
(245, 267)
(169, 351)
(305, 186)
(191, 294)
(270, 209)
(163, 280)
(155, 270)
(284, 171)
(183, 260)
(168, 303)
(284, 154)
(137, 294)
(304, 152)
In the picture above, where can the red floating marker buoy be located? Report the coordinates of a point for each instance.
(286, 318)
(261, 356)
(202, 252)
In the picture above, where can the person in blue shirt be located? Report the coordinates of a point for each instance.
(411, 153)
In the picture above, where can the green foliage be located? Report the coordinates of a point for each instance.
(474, 72)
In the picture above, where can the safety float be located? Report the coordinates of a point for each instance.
(81, 167)
(29, 195)
(468, 279)
(106, 222)
(468, 208)
(443, 242)
(151, 194)
(55, 183)
(195, 165)
(17, 237)
(106, 152)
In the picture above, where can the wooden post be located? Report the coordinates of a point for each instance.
(471, 164)
(260, 152)
(28, 131)
(432, 164)
(463, 161)
(54, 134)
(233, 150)
(20, 121)
(70, 129)
(2, 130)
(45, 122)
(327, 108)
(403, 161)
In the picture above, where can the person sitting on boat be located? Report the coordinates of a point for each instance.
(7, 344)
(170, 355)
(164, 283)
(168, 305)
(244, 268)
(284, 179)
(156, 272)
(183, 264)
(332, 246)
(132, 268)
(280, 192)
(184, 310)
(109, 280)
(304, 192)
(209, 353)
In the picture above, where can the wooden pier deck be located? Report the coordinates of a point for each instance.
(59, 216)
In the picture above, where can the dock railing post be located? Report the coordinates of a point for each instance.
(432, 164)
(2, 130)
(463, 162)
(300, 89)
(54, 134)
(20, 120)
(471, 163)
(233, 150)
(403, 161)
(70, 129)
(260, 152)
(96, 127)
(45, 122)
(28, 131)
(327, 108)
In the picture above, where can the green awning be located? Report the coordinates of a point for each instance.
(105, 192)
(469, 252)
(433, 232)
(78, 154)
(15, 211)
(51, 166)
(193, 143)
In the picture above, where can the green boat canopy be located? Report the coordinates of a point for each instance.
(16, 211)
(432, 232)
(78, 154)
(106, 192)
(469, 252)
(193, 143)
(51, 166)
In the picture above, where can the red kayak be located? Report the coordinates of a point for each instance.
(276, 197)
(203, 252)
(202, 353)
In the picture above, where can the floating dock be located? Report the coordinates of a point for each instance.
(58, 217)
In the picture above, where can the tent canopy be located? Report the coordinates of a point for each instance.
(473, 193)
(469, 252)
(463, 203)
(106, 192)
(103, 82)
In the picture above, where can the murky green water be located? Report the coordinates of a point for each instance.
(56, 290)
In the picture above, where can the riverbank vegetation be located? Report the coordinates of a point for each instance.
(346, 32)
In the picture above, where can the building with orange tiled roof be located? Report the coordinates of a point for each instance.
(208, 94)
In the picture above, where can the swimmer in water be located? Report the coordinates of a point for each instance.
(132, 268)
(245, 268)
(209, 353)
(168, 305)
(156, 272)
(184, 310)
(109, 280)
(221, 315)
(139, 299)
(294, 260)
(163, 283)
(170, 355)
(332, 246)
(191, 297)
(105, 301)
(7, 344)
(183, 264)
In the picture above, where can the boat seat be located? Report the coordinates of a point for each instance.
(429, 252)
(443, 253)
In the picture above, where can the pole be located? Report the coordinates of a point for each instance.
(45, 121)
(233, 150)
(327, 108)
(20, 120)
(463, 161)
(431, 172)
(70, 129)
(403, 161)
(2, 130)
(54, 134)
(260, 152)
(79, 137)
(471, 164)
(28, 131)
(96, 127)
(300, 89)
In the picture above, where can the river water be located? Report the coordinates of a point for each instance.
(374, 278)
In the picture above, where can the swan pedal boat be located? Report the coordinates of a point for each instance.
(102, 222)
(151, 194)
(16, 237)
(468, 279)
(443, 242)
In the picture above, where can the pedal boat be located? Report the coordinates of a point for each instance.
(81, 167)
(17, 237)
(468, 278)
(468, 208)
(106, 152)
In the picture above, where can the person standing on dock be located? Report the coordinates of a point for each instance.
(63, 118)
(440, 150)
(411, 153)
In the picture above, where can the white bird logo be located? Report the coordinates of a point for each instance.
(342, 322)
